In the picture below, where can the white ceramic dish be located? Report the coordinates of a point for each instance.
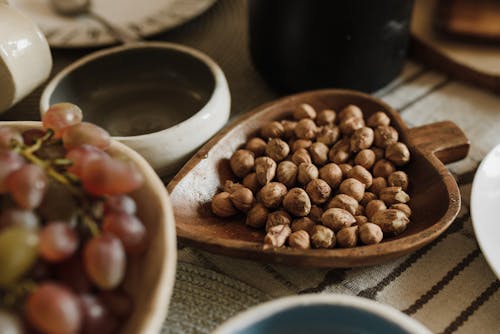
(485, 201)
(321, 313)
(145, 18)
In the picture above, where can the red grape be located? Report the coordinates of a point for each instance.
(19, 217)
(120, 203)
(82, 155)
(96, 317)
(86, 133)
(10, 323)
(52, 308)
(9, 162)
(118, 302)
(60, 116)
(128, 229)
(8, 135)
(104, 260)
(57, 242)
(27, 185)
(72, 273)
(32, 135)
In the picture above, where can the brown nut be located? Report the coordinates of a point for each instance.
(272, 130)
(398, 154)
(341, 151)
(280, 217)
(242, 199)
(345, 168)
(301, 156)
(328, 135)
(299, 239)
(361, 174)
(360, 211)
(383, 168)
(367, 197)
(277, 149)
(265, 168)
(370, 234)
(362, 139)
(257, 146)
(336, 219)
(378, 183)
(305, 129)
(398, 179)
(347, 237)
(365, 158)
(350, 111)
(304, 111)
(222, 205)
(257, 216)
(230, 186)
(272, 194)
(326, 117)
(287, 173)
(303, 224)
(289, 127)
(379, 153)
(322, 237)
(385, 135)
(402, 207)
(391, 221)
(301, 143)
(319, 191)
(377, 119)
(350, 125)
(331, 174)
(250, 181)
(319, 153)
(306, 173)
(316, 213)
(393, 195)
(361, 220)
(353, 188)
(297, 202)
(373, 207)
(345, 202)
(276, 236)
(242, 162)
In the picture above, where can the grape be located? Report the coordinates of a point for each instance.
(82, 155)
(120, 203)
(7, 135)
(86, 133)
(72, 273)
(60, 116)
(18, 252)
(32, 135)
(10, 323)
(104, 260)
(110, 177)
(58, 204)
(52, 308)
(117, 302)
(128, 229)
(19, 217)
(9, 162)
(51, 150)
(27, 185)
(57, 242)
(96, 317)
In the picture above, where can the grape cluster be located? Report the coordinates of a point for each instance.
(67, 225)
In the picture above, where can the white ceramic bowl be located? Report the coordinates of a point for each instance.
(162, 99)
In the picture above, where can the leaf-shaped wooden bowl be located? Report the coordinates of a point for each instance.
(435, 197)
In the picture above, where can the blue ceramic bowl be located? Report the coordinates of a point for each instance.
(322, 314)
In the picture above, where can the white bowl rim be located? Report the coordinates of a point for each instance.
(220, 81)
(268, 309)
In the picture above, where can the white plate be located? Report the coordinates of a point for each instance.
(143, 17)
(485, 208)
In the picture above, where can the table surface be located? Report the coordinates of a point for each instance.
(446, 285)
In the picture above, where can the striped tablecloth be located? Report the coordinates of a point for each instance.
(446, 285)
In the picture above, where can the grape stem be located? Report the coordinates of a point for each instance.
(17, 292)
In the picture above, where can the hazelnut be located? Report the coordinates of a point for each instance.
(272, 194)
(289, 127)
(257, 216)
(360, 211)
(347, 237)
(280, 217)
(402, 207)
(361, 139)
(230, 186)
(303, 224)
(265, 168)
(370, 234)
(318, 190)
(305, 129)
(300, 240)
(365, 158)
(222, 205)
(361, 220)
(272, 130)
(336, 219)
(250, 181)
(340, 152)
(287, 173)
(350, 111)
(297, 202)
(393, 195)
(377, 119)
(397, 153)
(242, 199)
(345, 168)
(326, 117)
(301, 143)
(276, 236)
(379, 153)
(345, 202)
(257, 146)
(367, 197)
(361, 174)
(242, 162)
(391, 221)
(301, 156)
(353, 188)
(322, 237)
(348, 126)
(331, 174)
(319, 153)
(304, 111)
(316, 213)
(398, 179)
(277, 149)
(383, 168)
(385, 135)
(378, 184)
(328, 135)
(373, 207)
(306, 173)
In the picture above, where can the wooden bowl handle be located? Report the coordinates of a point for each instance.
(445, 140)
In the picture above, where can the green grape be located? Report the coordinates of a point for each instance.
(10, 323)
(18, 252)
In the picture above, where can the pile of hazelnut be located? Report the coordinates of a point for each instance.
(320, 180)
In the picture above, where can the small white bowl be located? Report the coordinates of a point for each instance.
(162, 99)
